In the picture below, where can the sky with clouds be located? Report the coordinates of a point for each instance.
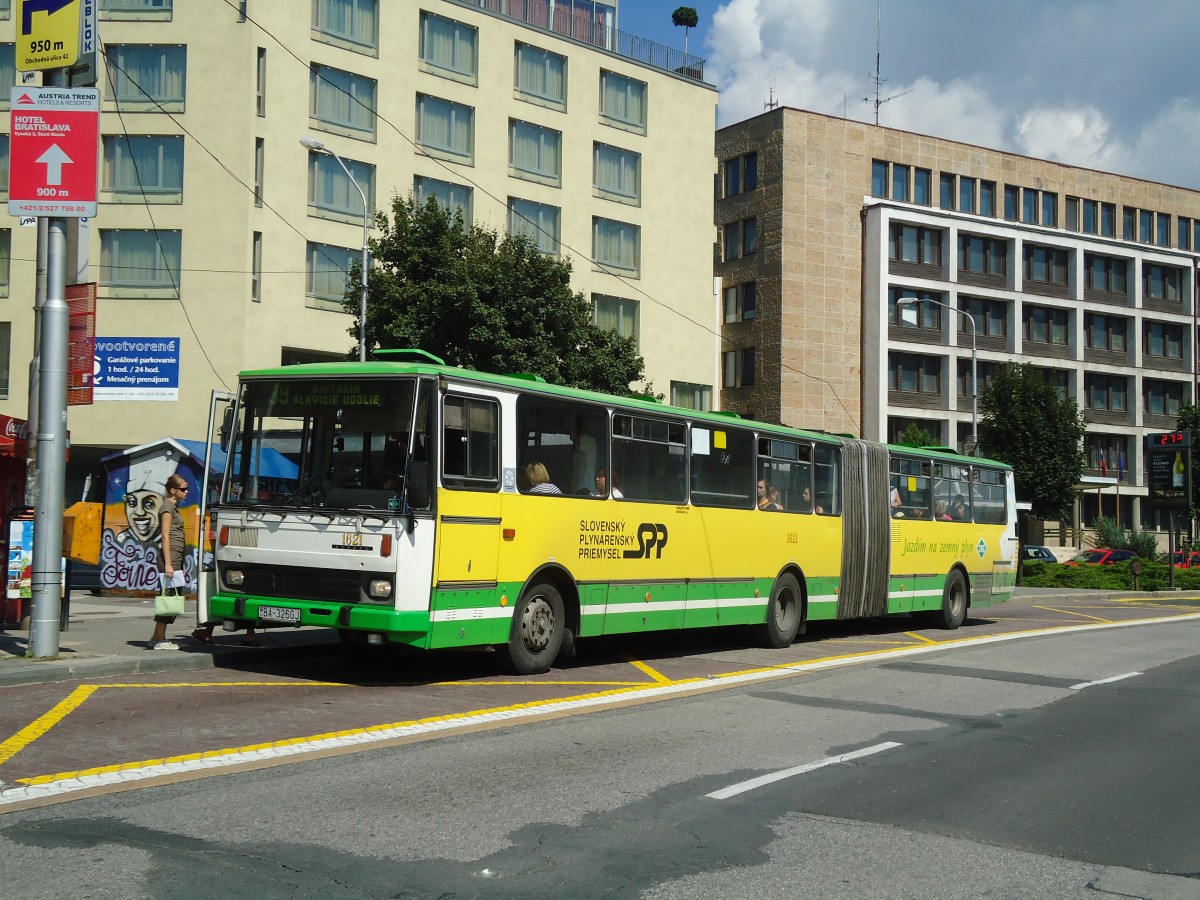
(1102, 84)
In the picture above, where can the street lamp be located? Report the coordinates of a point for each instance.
(910, 301)
(317, 147)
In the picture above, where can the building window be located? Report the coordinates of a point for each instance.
(966, 194)
(741, 239)
(1072, 214)
(537, 221)
(446, 127)
(454, 197)
(1105, 273)
(5, 357)
(1185, 233)
(914, 374)
(926, 314)
(147, 75)
(1163, 340)
(741, 302)
(616, 245)
(879, 179)
(8, 70)
(1106, 392)
(623, 101)
(1029, 206)
(1127, 222)
(987, 198)
(914, 244)
(686, 395)
(1091, 219)
(741, 173)
(260, 82)
(1046, 265)
(990, 317)
(1108, 220)
(946, 191)
(1162, 222)
(982, 256)
(327, 270)
(900, 182)
(342, 101)
(5, 260)
(136, 9)
(145, 166)
(618, 173)
(4, 162)
(1105, 332)
(331, 191)
(1163, 398)
(448, 46)
(354, 21)
(616, 314)
(1049, 209)
(260, 162)
(922, 186)
(985, 370)
(256, 267)
(1011, 195)
(1160, 282)
(541, 76)
(140, 260)
(1044, 325)
(737, 368)
(1145, 226)
(534, 152)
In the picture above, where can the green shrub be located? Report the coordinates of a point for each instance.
(1156, 576)
(1111, 535)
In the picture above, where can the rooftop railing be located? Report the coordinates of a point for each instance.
(583, 28)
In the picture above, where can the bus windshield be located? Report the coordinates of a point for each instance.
(340, 443)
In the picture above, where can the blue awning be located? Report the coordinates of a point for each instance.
(272, 463)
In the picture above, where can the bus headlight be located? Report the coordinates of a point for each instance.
(235, 577)
(379, 589)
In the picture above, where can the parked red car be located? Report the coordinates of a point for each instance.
(1185, 560)
(1101, 556)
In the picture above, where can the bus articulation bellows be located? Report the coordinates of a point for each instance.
(417, 503)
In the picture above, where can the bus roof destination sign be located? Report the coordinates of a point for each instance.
(53, 152)
(48, 35)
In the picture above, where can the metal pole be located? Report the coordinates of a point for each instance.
(974, 389)
(362, 312)
(52, 451)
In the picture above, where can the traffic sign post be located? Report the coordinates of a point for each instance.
(53, 151)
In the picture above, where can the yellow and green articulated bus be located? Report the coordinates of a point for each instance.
(406, 501)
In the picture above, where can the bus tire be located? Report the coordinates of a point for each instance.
(537, 630)
(954, 602)
(784, 613)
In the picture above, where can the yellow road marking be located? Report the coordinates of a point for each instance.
(920, 637)
(641, 666)
(1067, 612)
(44, 723)
(183, 684)
(518, 683)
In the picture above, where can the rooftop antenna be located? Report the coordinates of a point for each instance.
(877, 76)
(771, 101)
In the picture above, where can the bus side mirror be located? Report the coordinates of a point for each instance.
(226, 428)
(417, 482)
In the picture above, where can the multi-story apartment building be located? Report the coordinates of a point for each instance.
(219, 231)
(827, 223)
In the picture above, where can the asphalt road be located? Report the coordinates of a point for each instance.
(1048, 766)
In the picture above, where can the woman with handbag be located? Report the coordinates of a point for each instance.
(170, 560)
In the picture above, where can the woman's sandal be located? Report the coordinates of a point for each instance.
(248, 642)
(198, 635)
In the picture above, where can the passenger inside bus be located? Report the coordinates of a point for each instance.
(537, 480)
(602, 483)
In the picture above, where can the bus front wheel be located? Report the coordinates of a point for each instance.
(783, 613)
(537, 630)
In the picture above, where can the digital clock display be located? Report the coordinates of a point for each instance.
(1169, 439)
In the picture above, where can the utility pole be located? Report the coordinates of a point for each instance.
(53, 146)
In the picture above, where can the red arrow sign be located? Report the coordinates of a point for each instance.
(53, 152)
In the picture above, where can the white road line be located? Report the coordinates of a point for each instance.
(1088, 684)
(734, 789)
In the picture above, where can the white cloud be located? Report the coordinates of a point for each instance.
(1081, 137)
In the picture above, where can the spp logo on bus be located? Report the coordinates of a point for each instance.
(651, 538)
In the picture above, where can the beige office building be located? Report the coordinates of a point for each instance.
(826, 223)
(219, 232)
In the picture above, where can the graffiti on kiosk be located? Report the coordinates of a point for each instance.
(131, 544)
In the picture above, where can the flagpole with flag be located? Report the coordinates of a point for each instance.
(1120, 476)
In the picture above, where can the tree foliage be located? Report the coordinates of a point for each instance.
(917, 434)
(485, 301)
(1189, 420)
(685, 16)
(1026, 423)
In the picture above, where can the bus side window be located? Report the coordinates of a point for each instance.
(569, 438)
(471, 445)
(828, 478)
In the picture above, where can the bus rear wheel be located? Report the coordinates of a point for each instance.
(954, 603)
(537, 630)
(783, 613)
